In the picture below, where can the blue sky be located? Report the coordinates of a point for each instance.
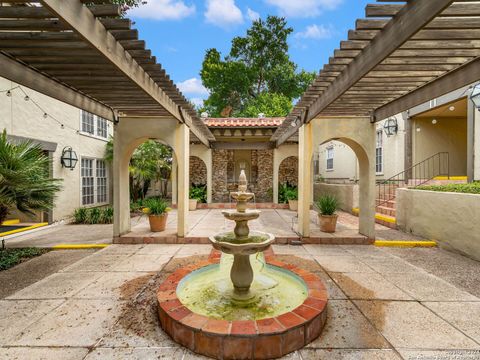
(180, 31)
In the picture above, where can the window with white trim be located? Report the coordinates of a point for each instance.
(101, 181)
(330, 154)
(379, 152)
(102, 127)
(88, 186)
(88, 123)
(93, 125)
(94, 181)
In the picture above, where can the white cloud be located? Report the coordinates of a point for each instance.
(303, 8)
(193, 86)
(197, 102)
(223, 13)
(252, 15)
(163, 10)
(315, 32)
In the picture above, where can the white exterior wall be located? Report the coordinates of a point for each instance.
(476, 147)
(345, 163)
(23, 118)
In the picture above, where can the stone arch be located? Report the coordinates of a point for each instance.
(359, 134)
(197, 171)
(128, 135)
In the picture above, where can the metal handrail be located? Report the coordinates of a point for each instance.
(416, 175)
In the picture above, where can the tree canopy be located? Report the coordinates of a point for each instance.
(257, 76)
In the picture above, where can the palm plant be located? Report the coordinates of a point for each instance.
(24, 178)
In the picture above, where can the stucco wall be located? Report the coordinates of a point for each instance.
(449, 135)
(22, 118)
(449, 218)
(345, 165)
(347, 195)
(476, 151)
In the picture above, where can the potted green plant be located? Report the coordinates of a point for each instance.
(327, 206)
(197, 193)
(291, 194)
(157, 210)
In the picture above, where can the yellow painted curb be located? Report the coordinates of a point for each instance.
(389, 219)
(79, 246)
(23, 229)
(11, 222)
(450, 178)
(399, 243)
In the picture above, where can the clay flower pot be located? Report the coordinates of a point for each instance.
(293, 205)
(328, 223)
(192, 204)
(158, 222)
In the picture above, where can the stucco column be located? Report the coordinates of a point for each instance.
(174, 181)
(367, 187)
(121, 189)
(305, 151)
(471, 110)
(182, 150)
(276, 169)
(209, 164)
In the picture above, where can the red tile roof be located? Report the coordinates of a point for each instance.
(244, 122)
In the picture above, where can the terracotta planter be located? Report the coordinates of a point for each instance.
(158, 222)
(328, 223)
(192, 204)
(293, 205)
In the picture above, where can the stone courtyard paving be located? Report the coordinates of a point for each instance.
(383, 304)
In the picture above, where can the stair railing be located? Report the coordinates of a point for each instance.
(418, 174)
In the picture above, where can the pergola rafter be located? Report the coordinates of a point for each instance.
(93, 53)
(390, 58)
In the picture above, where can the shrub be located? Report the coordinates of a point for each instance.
(287, 192)
(107, 215)
(156, 206)
(198, 192)
(80, 216)
(471, 188)
(327, 205)
(12, 257)
(93, 216)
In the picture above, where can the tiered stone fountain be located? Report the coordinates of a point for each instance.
(241, 304)
(241, 244)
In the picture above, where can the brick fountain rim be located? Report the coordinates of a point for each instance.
(243, 339)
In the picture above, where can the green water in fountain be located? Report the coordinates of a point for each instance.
(209, 291)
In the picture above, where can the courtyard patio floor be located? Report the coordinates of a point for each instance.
(280, 222)
(383, 304)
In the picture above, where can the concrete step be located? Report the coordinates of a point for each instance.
(385, 210)
(389, 203)
(385, 220)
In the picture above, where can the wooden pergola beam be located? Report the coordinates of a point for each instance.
(455, 79)
(19, 73)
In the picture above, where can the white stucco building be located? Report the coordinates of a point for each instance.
(54, 125)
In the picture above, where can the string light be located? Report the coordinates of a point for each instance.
(45, 115)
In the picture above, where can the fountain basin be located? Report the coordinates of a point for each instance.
(256, 241)
(265, 338)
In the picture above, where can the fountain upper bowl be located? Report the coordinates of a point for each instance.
(241, 216)
(257, 241)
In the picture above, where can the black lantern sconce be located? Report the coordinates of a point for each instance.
(391, 126)
(475, 96)
(69, 158)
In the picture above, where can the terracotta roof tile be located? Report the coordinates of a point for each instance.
(244, 122)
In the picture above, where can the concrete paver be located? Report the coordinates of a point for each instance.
(373, 311)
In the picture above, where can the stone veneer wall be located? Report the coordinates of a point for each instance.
(262, 174)
(264, 171)
(198, 171)
(219, 173)
(288, 171)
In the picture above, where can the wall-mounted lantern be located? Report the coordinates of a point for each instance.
(391, 126)
(69, 158)
(475, 96)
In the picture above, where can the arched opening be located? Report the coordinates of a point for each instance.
(198, 179)
(288, 179)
